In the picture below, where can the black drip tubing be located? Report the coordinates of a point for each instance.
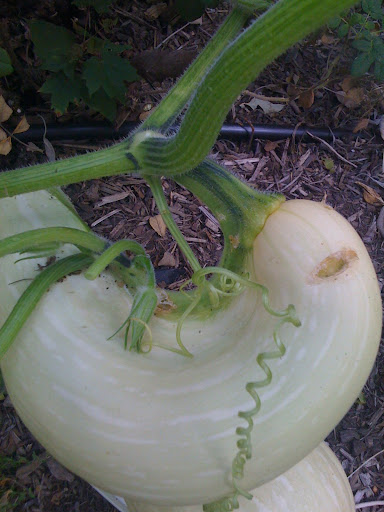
(104, 131)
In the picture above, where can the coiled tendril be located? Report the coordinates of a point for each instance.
(231, 284)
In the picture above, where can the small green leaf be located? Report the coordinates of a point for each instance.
(96, 46)
(63, 91)
(373, 8)
(361, 64)
(333, 23)
(108, 73)
(100, 6)
(103, 104)
(55, 46)
(329, 164)
(356, 19)
(5, 63)
(362, 45)
(343, 30)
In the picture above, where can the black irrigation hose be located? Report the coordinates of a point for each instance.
(100, 131)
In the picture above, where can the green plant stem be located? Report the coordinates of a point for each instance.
(240, 210)
(32, 295)
(23, 242)
(158, 194)
(174, 102)
(110, 254)
(105, 162)
(284, 24)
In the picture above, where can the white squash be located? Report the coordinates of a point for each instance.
(160, 428)
(316, 484)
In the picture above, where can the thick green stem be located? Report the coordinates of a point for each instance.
(287, 22)
(105, 162)
(23, 242)
(174, 102)
(240, 210)
(32, 295)
(158, 194)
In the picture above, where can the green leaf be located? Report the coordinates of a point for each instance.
(100, 6)
(333, 23)
(96, 46)
(361, 64)
(94, 74)
(101, 102)
(192, 9)
(5, 63)
(362, 45)
(55, 46)
(343, 30)
(108, 73)
(373, 8)
(63, 91)
(356, 19)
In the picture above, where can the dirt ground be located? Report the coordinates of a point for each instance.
(314, 88)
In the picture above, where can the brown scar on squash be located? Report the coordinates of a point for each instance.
(333, 266)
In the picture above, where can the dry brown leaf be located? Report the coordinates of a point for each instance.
(5, 110)
(168, 260)
(22, 126)
(306, 99)
(361, 125)
(158, 225)
(292, 91)
(5, 143)
(23, 473)
(352, 98)
(327, 39)
(348, 83)
(59, 472)
(370, 195)
(152, 13)
(271, 145)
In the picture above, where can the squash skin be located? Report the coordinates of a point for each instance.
(315, 484)
(161, 429)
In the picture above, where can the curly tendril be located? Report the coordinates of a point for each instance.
(231, 284)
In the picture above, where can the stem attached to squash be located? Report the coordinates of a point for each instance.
(240, 210)
(32, 295)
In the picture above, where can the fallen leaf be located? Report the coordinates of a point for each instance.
(370, 195)
(271, 146)
(329, 164)
(306, 99)
(361, 125)
(5, 143)
(265, 105)
(5, 110)
(168, 260)
(352, 98)
(292, 91)
(49, 150)
(348, 83)
(158, 225)
(31, 146)
(22, 474)
(59, 472)
(152, 13)
(22, 126)
(327, 39)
